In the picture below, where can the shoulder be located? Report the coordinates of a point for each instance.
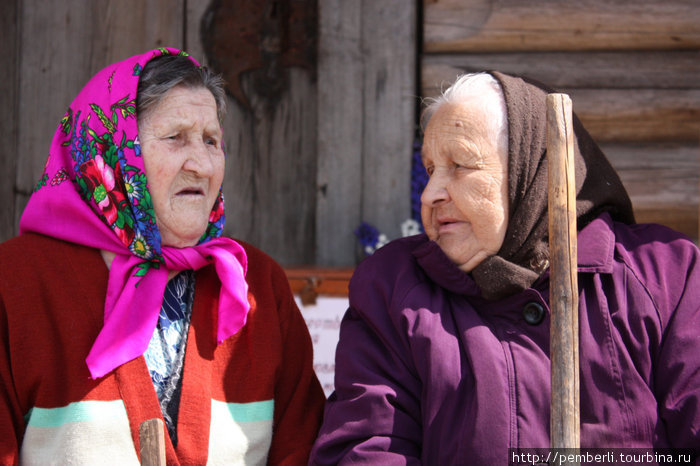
(388, 274)
(30, 244)
(651, 247)
(254, 252)
(42, 276)
(665, 262)
(266, 279)
(394, 259)
(37, 253)
(260, 264)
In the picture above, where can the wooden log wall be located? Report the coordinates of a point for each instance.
(56, 48)
(302, 172)
(365, 131)
(9, 84)
(632, 69)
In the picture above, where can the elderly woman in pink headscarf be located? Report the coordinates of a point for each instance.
(121, 301)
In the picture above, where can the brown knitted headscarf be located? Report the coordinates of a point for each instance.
(524, 253)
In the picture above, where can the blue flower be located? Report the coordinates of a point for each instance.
(370, 238)
(367, 234)
(419, 179)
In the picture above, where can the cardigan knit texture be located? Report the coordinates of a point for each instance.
(253, 399)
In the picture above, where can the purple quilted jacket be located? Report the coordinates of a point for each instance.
(428, 372)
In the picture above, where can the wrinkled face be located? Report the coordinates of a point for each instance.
(465, 204)
(181, 146)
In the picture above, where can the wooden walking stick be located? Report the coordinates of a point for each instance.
(152, 440)
(563, 290)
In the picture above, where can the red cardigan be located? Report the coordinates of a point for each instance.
(254, 398)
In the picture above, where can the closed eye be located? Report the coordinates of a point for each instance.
(463, 167)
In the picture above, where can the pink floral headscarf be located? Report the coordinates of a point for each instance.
(94, 192)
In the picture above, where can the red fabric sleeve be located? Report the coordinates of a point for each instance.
(299, 399)
(11, 419)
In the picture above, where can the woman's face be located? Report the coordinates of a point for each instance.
(181, 146)
(465, 203)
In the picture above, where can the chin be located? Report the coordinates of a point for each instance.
(468, 267)
(465, 263)
(475, 260)
(183, 240)
(182, 231)
(180, 243)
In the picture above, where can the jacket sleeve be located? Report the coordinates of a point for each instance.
(11, 419)
(299, 398)
(677, 374)
(374, 415)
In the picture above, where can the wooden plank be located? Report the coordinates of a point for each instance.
(388, 35)
(366, 112)
(681, 218)
(9, 154)
(238, 184)
(285, 171)
(310, 282)
(639, 115)
(240, 163)
(300, 199)
(63, 44)
(657, 174)
(270, 182)
(592, 70)
(194, 13)
(270, 170)
(340, 126)
(662, 181)
(238, 181)
(533, 25)
(634, 115)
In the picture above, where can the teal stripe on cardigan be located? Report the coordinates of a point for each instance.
(79, 411)
(248, 412)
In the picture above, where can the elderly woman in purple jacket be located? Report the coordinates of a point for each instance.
(444, 352)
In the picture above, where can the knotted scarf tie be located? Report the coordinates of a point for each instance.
(133, 303)
(94, 192)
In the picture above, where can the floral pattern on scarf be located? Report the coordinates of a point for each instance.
(94, 192)
(103, 145)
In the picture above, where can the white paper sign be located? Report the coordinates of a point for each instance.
(323, 320)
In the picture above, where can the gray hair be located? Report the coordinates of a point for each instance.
(165, 72)
(468, 87)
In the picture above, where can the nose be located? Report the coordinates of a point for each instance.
(435, 191)
(199, 160)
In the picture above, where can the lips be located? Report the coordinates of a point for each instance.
(446, 224)
(446, 221)
(190, 191)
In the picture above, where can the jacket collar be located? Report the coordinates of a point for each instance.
(596, 246)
